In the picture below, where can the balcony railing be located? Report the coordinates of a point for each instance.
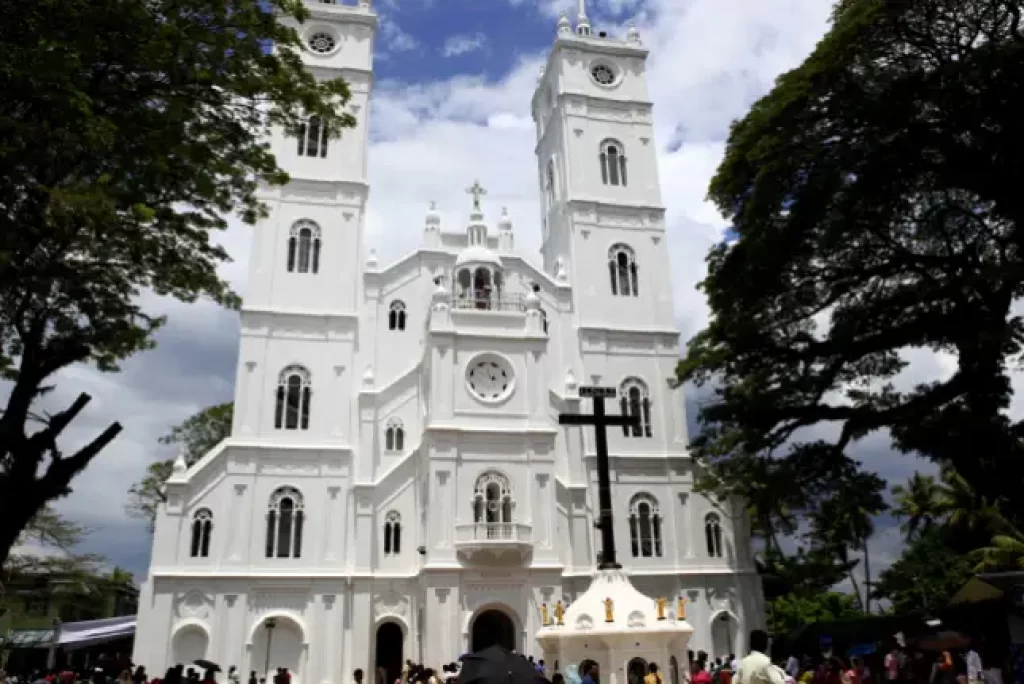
(503, 302)
(493, 532)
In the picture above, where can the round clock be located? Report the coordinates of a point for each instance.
(489, 378)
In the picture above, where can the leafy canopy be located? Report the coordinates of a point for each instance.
(875, 196)
(130, 131)
(194, 436)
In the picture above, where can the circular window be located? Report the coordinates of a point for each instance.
(603, 74)
(322, 42)
(489, 378)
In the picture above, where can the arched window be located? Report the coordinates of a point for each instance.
(285, 517)
(645, 526)
(493, 503)
(392, 534)
(635, 400)
(549, 183)
(202, 528)
(304, 248)
(713, 534)
(613, 163)
(396, 316)
(313, 138)
(394, 436)
(622, 270)
(291, 411)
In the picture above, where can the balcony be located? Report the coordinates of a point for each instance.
(494, 543)
(503, 302)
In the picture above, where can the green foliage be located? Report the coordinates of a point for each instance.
(789, 612)
(195, 436)
(872, 197)
(930, 570)
(51, 529)
(130, 131)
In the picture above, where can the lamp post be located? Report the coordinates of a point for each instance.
(269, 623)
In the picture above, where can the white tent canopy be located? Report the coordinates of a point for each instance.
(89, 632)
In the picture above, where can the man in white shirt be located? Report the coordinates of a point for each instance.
(974, 667)
(757, 668)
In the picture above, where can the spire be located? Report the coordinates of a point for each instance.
(582, 22)
(564, 27)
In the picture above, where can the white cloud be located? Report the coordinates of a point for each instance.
(462, 44)
(394, 38)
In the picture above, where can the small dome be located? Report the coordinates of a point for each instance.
(477, 254)
(563, 23)
(504, 223)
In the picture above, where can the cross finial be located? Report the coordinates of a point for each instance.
(477, 191)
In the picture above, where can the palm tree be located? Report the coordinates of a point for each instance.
(925, 502)
(919, 503)
(1005, 552)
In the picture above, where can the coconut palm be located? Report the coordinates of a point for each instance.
(1005, 552)
(918, 504)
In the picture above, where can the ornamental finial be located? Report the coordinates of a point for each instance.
(477, 191)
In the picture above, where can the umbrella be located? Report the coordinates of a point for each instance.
(207, 665)
(496, 665)
(943, 641)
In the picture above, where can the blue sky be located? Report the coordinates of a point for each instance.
(454, 81)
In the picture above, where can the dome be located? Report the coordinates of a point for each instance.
(433, 216)
(477, 254)
(504, 223)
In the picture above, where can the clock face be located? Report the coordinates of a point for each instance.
(489, 379)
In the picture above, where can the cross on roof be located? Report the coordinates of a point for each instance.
(476, 190)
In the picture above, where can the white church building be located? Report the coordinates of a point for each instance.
(396, 485)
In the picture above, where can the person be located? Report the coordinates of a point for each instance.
(653, 676)
(253, 679)
(233, 676)
(757, 667)
(892, 665)
(591, 673)
(793, 666)
(975, 672)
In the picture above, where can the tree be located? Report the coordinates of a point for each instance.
(927, 574)
(919, 504)
(792, 611)
(50, 528)
(195, 436)
(871, 195)
(130, 131)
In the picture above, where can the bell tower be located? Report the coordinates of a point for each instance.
(602, 216)
(306, 252)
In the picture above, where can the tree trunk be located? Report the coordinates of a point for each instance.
(23, 492)
(867, 576)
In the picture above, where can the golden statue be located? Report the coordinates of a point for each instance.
(661, 607)
(681, 609)
(608, 615)
(559, 613)
(545, 620)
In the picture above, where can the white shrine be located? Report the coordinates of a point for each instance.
(397, 485)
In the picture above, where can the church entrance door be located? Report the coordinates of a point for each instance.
(388, 663)
(492, 627)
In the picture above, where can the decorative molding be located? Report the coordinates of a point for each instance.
(391, 604)
(194, 604)
(240, 489)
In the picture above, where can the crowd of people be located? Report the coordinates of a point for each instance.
(898, 666)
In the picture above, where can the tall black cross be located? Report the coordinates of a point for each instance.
(601, 421)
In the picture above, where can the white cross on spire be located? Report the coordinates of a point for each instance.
(476, 190)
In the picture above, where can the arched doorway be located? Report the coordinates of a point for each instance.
(724, 633)
(492, 627)
(636, 670)
(388, 659)
(278, 643)
(189, 644)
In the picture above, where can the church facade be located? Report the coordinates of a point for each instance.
(397, 485)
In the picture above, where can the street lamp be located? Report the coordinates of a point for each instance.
(269, 623)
